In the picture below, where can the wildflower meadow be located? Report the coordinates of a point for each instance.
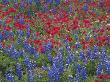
(54, 40)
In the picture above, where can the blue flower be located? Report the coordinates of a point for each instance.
(78, 69)
(30, 76)
(10, 77)
(57, 2)
(1, 46)
(1, 37)
(85, 7)
(84, 73)
(21, 20)
(5, 2)
(30, 2)
(28, 32)
(20, 33)
(107, 64)
(82, 57)
(49, 1)
(99, 69)
(50, 58)
(77, 78)
(70, 78)
(19, 71)
(103, 52)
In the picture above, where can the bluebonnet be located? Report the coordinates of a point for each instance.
(82, 57)
(45, 68)
(57, 2)
(70, 78)
(78, 69)
(28, 63)
(49, 1)
(107, 65)
(19, 71)
(70, 56)
(14, 54)
(57, 67)
(50, 58)
(70, 8)
(31, 50)
(84, 73)
(85, 7)
(48, 46)
(1, 37)
(29, 12)
(37, 1)
(19, 41)
(78, 45)
(5, 2)
(45, 9)
(99, 69)
(9, 77)
(20, 33)
(103, 52)
(30, 2)
(21, 20)
(30, 76)
(87, 37)
(78, 73)
(53, 73)
(1, 46)
(28, 31)
(76, 37)
(22, 5)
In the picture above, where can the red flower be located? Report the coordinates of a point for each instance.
(19, 26)
(5, 13)
(8, 28)
(104, 76)
(107, 3)
(37, 42)
(96, 81)
(12, 10)
(87, 23)
(37, 34)
(8, 20)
